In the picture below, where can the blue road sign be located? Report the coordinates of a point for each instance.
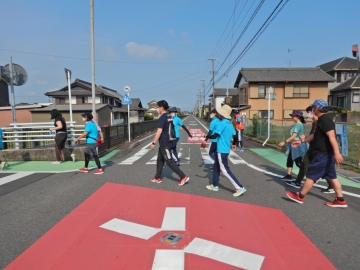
(126, 100)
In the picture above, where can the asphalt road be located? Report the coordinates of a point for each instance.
(33, 205)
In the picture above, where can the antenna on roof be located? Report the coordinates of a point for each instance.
(289, 52)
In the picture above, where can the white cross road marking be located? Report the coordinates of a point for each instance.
(235, 159)
(174, 219)
(205, 156)
(167, 259)
(137, 156)
(225, 254)
(13, 177)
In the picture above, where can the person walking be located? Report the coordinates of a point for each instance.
(2, 136)
(305, 162)
(324, 153)
(165, 146)
(91, 134)
(177, 123)
(224, 132)
(294, 154)
(239, 127)
(60, 136)
(213, 142)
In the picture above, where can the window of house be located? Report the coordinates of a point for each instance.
(264, 114)
(63, 100)
(301, 91)
(351, 74)
(355, 98)
(345, 76)
(262, 91)
(330, 100)
(338, 76)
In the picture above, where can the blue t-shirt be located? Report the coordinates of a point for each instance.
(1, 139)
(213, 124)
(226, 131)
(163, 123)
(178, 123)
(92, 130)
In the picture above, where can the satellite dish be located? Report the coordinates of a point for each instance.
(20, 75)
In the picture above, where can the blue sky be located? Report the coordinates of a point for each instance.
(161, 47)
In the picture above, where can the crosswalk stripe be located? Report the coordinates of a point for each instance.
(235, 159)
(14, 177)
(205, 156)
(132, 159)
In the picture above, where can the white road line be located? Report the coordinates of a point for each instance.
(153, 160)
(235, 159)
(167, 259)
(174, 219)
(13, 177)
(225, 254)
(133, 158)
(185, 160)
(130, 228)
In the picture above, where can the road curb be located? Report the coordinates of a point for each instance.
(139, 142)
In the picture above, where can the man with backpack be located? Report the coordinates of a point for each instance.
(92, 135)
(165, 134)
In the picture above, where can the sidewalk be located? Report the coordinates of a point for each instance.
(279, 159)
(69, 166)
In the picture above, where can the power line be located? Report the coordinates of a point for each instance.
(254, 39)
(101, 60)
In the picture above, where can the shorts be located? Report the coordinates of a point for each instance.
(92, 150)
(322, 166)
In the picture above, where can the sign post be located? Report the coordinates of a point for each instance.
(126, 100)
(269, 96)
(68, 78)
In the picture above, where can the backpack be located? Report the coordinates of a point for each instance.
(172, 133)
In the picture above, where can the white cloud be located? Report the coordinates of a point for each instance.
(185, 37)
(171, 32)
(31, 93)
(40, 82)
(144, 51)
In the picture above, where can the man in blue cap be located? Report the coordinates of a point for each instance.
(324, 152)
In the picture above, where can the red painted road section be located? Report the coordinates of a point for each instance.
(77, 242)
(196, 133)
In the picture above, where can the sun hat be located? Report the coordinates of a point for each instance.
(88, 115)
(320, 104)
(296, 113)
(225, 111)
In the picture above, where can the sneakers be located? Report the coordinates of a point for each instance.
(156, 180)
(328, 190)
(293, 184)
(73, 157)
(211, 187)
(84, 170)
(295, 196)
(56, 162)
(239, 149)
(287, 178)
(183, 180)
(99, 171)
(239, 192)
(337, 203)
(3, 165)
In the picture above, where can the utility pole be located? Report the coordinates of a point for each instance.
(92, 59)
(203, 87)
(213, 81)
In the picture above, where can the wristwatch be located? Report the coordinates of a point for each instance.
(153, 143)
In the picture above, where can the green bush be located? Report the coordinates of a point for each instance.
(148, 117)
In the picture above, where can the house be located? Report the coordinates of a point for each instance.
(152, 109)
(346, 94)
(295, 89)
(81, 98)
(22, 112)
(341, 69)
(4, 93)
(220, 95)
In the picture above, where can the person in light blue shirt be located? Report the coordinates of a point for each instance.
(213, 142)
(92, 134)
(177, 124)
(224, 132)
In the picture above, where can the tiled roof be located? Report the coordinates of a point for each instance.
(222, 92)
(352, 83)
(343, 63)
(283, 75)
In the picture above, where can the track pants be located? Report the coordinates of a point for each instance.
(221, 163)
(165, 156)
(212, 150)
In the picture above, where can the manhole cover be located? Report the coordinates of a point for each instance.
(356, 179)
(172, 238)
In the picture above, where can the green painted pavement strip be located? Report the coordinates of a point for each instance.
(46, 166)
(280, 160)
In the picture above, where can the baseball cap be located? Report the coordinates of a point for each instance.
(320, 103)
(87, 115)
